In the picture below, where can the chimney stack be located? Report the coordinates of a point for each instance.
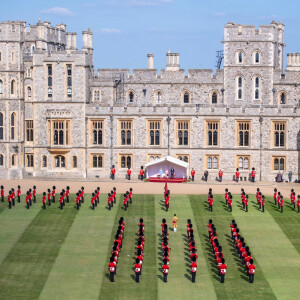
(90, 39)
(69, 36)
(74, 38)
(85, 40)
(172, 61)
(150, 61)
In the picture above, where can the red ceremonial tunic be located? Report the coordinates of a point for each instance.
(194, 267)
(223, 268)
(165, 269)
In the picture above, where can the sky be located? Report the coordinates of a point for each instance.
(125, 31)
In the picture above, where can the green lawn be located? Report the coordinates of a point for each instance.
(54, 254)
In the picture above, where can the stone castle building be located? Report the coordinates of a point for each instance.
(61, 118)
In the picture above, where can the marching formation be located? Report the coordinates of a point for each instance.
(228, 199)
(111, 198)
(116, 249)
(243, 250)
(140, 250)
(217, 250)
(192, 248)
(165, 249)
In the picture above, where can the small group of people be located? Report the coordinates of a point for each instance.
(243, 250)
(165, 249)
(111, 198)
(140, 250)
(127, 198)
(252, 175)
(192, 248)
(244, 200)
(95, 199)
(11, 196)
(281, 177)
(116, 249)
(228, 199)
(260, 199)
(217, 250)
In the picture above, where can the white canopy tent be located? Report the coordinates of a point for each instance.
(159, 167)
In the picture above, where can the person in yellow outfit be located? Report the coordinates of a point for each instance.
(175, 223)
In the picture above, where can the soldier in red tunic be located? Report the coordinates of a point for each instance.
(93, 201)
(49, 197)
(275, 196)
(251, 270)
(281, 204)
(112, 269)
(165, 269)
(237, 175)
(294, 200)
(53, 194)
(27, 199)
(167, 199)
(291, 195)
(194, 268)
(68, 194)
(44, 200)
(220, 175)
(263, 203)
(130, 195)
(113, 172)
(298, 203)
(137, 270)
(13, 195)
(128, 173)
(82, 194)
(19, 194)
(211, 202)
(230, 203)
(9, 199)
(2, 193)
(77, 200)
(253, 173)
(142, 173)
(34, 194)
(61, 200)
(223, 269)
(193, 174)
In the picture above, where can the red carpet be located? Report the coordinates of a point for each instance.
(175, 180)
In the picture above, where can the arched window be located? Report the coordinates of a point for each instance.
(29, 92)
(1, 126)
(276, 164)
(256, 87)
(1, 87)
(215, 163)
(239, 87)
(246, 163)
(209, 163)
(151, 158)
(96, 96)
(123, 137)
(214, 98)
(1, 160)
(257, 82)
(180, 157)
(281, 164)
(186, 97)
(257, 58)
(241, 163)
(128, 161)
(60, 161)
(130, 97)
(282, 98)
(12, 126)
(29, 160)
(74, 161)
(156, 157)
(13, 160)
(256, 95)
(158, 97)
(12, 87)
(97, 161)
(185, 159)
(239, 57)
(49, 92)
(44, 161)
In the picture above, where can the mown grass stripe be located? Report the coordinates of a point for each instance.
(78, 269)
(179, 285)
(125, 286)
(26, 267)
(278, 258)
(13, 222)
(236, 282)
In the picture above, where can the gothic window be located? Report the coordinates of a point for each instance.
(239, 57)
(279, 129)
(282, 98)
(29, 130)
(44, 161)
(12, 126)
(1, 160)
(214, 98)
(29, 92)
(183, 133)
(60, 161)
(130, 97)
(212, 129)
(186, 97)
(257, 57)
(97, 161)
(97, 128)
(158, 97)
(278, 163)
(126, 132)
(1, 87)
(13, 160)
(60, 132)
(74, 161)
(49, 80)
(154, 132)
(239, 88)
(243, 133)
(243, 162)
(126, 161)
(12, 87)
(96, 96)
(29, 160)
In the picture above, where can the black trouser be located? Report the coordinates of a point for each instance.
(13, 201)
(205, 178)
(64, 203)
(281, 209)
(263, 208)
(49, 202)
(243, 205)
(2, 198)
(298, 209)
(193, 276)
(128, 177)
(61, 205)
(34, 199)
(82, 199)
(125, 206)
(246, 208)
(222, 278)
(109, 207)
(44, 205)
(130, 200)
(77, 205)
(192, 178)
(96, 202)
(30, 203)
(274, 201)
(142, 177)
(53, 199)
(9, 204)
(294, 206)
(93, 206)
(112, 276)
(115, 200)
(68, 199)
(220, 178)
(113, 176)
(27, 205)
(226, 201)
(259, 205)
(137, 276)
(278, 204)
(165, 277)
(167, 207)
(211, 207)
(251, 278)
(237, 179)
(253, 179)
(230, 207)
(19, 199)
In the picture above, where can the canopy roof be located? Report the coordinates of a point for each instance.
(170, 159)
